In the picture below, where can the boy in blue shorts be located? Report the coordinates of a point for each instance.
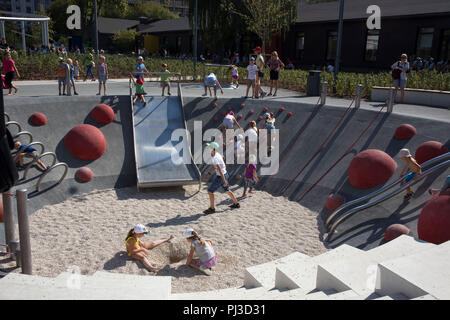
(211, 81)
(221, 179)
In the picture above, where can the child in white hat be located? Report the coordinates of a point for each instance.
(137, 249)
(203, 249)
(412, 167)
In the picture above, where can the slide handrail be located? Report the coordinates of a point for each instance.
(381, 190)
(353, 211)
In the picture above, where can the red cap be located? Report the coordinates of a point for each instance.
(257, 49)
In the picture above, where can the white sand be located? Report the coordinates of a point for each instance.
(89, 231)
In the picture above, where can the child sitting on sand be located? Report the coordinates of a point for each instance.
(251, 178)
(137, 249)
(204, 251)
(412, 167)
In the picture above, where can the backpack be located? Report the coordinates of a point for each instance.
(396, 73)
(8, 170)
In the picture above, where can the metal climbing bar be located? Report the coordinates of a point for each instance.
(66, 168)
(7, 118)
(36, 143)
(38, 158)
(385, 188)
(219, 67)
(353, 211)
(15, 123)
(24, 133)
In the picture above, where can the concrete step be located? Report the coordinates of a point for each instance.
(425, 297)
(304, 274)
(359, 273)
(319, 295)
(426, 272)
(235, 293)
(26, 280)
(343, 295)
(263, 275)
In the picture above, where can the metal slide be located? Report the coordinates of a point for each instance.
(152, 130)
(346, 211)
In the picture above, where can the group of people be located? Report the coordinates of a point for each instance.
(255, 74)
(201, 253)
(430, 64)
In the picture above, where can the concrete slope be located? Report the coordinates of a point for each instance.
(364, 230)
(154, 125)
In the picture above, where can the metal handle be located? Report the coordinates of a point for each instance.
(7, 116)
(36, 143)
(66, 167)
(351, 212)
(38, 158)
(21, 133)
(13, 123)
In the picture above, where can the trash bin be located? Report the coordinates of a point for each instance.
(313, 83)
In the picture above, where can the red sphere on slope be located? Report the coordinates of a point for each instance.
(334, 201)
(405, 131)
(103, 114)
(434, 220)
(370, 168)
(394, 231)
(429, 150)
(85, 142)
(38, 119)
(84, 174)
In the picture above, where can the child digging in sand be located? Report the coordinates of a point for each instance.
(251, 178)
(138, 250)
(203, 249)
(414, 169)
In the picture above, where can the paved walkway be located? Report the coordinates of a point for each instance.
(121, 87)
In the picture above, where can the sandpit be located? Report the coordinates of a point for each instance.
(88, 231)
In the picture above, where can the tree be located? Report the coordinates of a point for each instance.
(151, 10)
(266, 17)
(126, 39)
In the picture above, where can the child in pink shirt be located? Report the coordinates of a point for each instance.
(9, 68)
(251, 178)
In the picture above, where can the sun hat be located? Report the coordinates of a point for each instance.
(140, 58)
(213, 145)
(252, 59)
(404, 153)
(60, 58)
(188, 232)
(139, 228)
(266, 115)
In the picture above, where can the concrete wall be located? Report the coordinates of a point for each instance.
(431, 98)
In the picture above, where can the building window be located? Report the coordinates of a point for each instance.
(300, 45)
(373, 36)
(331, 45)
(424, 42)
(445, 45)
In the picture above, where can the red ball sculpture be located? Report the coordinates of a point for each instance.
(102, 114)
(85, 142)
(251, 112)
(38, 119)
(216, 119)
(405, 131)
(334, 201)
(434, 220)
(239, 116)
(260, 118)
(370, 168)
(242, 106)
(429, 150)
(215, 105)
(266, 109)
(289, 114)
(281, 109)
(394, 231)
(84, 174)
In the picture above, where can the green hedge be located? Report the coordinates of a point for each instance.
(40, 67)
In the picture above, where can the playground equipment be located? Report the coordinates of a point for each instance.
(154, 147)
(222, 74)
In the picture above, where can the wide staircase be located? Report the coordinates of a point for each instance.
(402, 269)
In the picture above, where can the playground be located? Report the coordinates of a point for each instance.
(89, 217)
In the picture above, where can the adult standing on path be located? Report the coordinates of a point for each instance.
(399, 70)
(9, 68)
(260, 75)
(221, 179)
(275, 66)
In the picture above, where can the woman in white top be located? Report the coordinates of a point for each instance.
(203, 249)
(401, 67)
